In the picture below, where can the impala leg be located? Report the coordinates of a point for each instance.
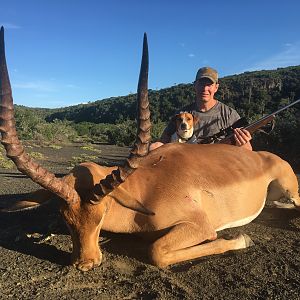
(182, 243)
(285, 185)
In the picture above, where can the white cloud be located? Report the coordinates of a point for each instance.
(75, 103)
(290, 56)
(71, 86)
(191, 55)
(42, 86)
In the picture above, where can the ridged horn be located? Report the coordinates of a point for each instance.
(143, 137)
(14, 148)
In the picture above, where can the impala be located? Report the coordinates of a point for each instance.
(179, 195)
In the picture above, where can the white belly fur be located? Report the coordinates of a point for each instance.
(242, 221)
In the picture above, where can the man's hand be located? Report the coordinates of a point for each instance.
(155, 145)
(242, 138)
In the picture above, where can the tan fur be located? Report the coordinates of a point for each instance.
(194, 190)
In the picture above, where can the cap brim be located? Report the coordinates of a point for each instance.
(209, 77)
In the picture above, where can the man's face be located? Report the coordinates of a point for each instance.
(205, 89)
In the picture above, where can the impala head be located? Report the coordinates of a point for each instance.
(85, 197)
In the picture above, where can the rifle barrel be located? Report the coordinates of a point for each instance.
(285, 107)
(257, 124)
(272, 114)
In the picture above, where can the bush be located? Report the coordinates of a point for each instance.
(5, 162)
(122, 134)
(157, 130)
(57, 131)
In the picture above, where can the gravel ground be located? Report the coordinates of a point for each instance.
(35, 251)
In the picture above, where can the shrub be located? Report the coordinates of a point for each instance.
(5, 162)
(56, 132)
(122, 134)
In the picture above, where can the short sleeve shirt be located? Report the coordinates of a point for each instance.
(210, 122)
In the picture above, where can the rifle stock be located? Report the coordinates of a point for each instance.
(251, 128)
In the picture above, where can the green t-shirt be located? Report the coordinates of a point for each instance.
(210, 122)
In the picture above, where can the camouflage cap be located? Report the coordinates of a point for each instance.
(207, 72)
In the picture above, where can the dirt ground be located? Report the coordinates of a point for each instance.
(35, 251)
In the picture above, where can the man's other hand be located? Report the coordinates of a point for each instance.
(155, 145)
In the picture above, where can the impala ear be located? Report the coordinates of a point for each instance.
(121, 196)
(21, 206)
(32, 201)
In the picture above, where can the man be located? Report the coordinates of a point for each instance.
(212, 114)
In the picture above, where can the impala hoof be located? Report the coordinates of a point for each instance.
(279, 204)
(87, 265)
(247, 240)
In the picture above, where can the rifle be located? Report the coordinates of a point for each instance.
(228, 132)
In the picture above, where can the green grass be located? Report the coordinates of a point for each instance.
(36, 155)
(5, 162)
(90, 148)
(82, 158)
(55, 147)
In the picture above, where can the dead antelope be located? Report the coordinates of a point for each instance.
(182, 194)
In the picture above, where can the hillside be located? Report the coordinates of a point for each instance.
(252, 94)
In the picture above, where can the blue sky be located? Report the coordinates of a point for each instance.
(63, 52)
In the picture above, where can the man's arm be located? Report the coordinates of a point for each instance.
(165, 137)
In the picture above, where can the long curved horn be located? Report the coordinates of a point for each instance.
(14, 148)
(141, 146)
